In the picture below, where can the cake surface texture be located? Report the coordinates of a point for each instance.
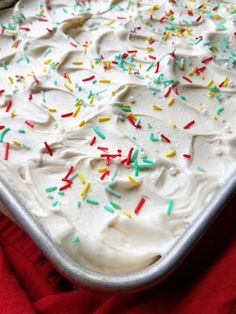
(117, 120)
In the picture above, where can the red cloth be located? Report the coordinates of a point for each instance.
(204, 284)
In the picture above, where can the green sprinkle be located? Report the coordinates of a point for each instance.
(145, 166)
(117, 103)
(78, 203)
(61, 193)
(55, 203)
(134, 154)
(99, 132)
(169, 207)
(115, 205)
(136, 166)
(76, 239)
(3, 133)
(201, 169)
(91, 201)
(109, 208)
(51, 189)
(126, 109)
(113, 192)
(198, 41)
(153, 138)
(150, 66)
(182, 97)
(21, 131)
(148, 161)
(220, 109)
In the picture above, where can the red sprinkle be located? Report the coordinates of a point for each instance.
(167, 93)
(89, 78)
(49, 30)
(102, 148)
(110, 155)
(139, 205)
(221, 84)
(206, 60)
(74, 45)
(188, 125)
(132, 51)
(30, 96)
(199, 18)
(93, 140)
(187, 156)
(105, 173)
(27, 29)
(152, 57)
(138, 126)
(69, 173)
(30, 124)
(48, 148)
(157, 67)
(64, 187)
(187, 79)
(8, 107)
(129, 156)
(201, 69)
(166, 139)
(2, 91)
(2, 127)
(6, 152)
(66, 115)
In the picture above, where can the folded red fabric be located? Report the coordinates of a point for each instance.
(205, 283)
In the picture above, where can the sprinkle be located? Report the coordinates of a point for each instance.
(115, 205)
(92, 141)
(153, 138)
(167, 93)
(75, 113)
(109, 208)
(77, 62)
(82, 123)
(127, 214)
(187, 79)
(155, 107)
(51, 189)
(129, 155)
(105, 173)
(139, 206)
(3, 133)
(17, 143)
(99, 132)
(6, 152)
(113, 192)
(52, 110)
(91, 201)
(78, 203)
(169, 207)
(102, 169)
(9, 104)
(84, 192)
(82, 180)
(157, 67)
(136, 166)
(206, 60)
(105, 81)
(76, 239)
(133, 180)
(30, 124)
(89, 78)
(131, 120)
(209, 83)
(68, 88)
(48, 148)
(69, 172)
(103, 119)
(201, 169)
(55, 203)
(172, 123)
(189, 124)
(170, 102)
(170, 153)
(166, 139)
(187, 156)
(66, 115)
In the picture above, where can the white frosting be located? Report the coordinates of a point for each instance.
(119, 42)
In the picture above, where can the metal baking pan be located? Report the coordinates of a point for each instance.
(113, 283)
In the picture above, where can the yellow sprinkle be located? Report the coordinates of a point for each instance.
(131, 179)
(113, 93)
(127, 214)
(68, 88)
(210, 94)
(82, 179)
(105, 81)
(170, 153)
(154, 8)
(215, 117)
(107, 65)
(172, 123)
(52, 109)
(91, 100)
(82, 123)
(170, 102)
(109, 23)
(84, 192)
(133, 116)
(202, 75)
(78, 102)
(209, 83)
(85, 51)
(129, 68)
(166, 36)
(17, 143)
(77, 62)
(103, 119)
(13, 113)
(155, 107)
(101, 170)
(217, 17)
(47, 61)
(149, 49)
(226, 81)
(91, 63)
(76, 111)
(10, 79)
